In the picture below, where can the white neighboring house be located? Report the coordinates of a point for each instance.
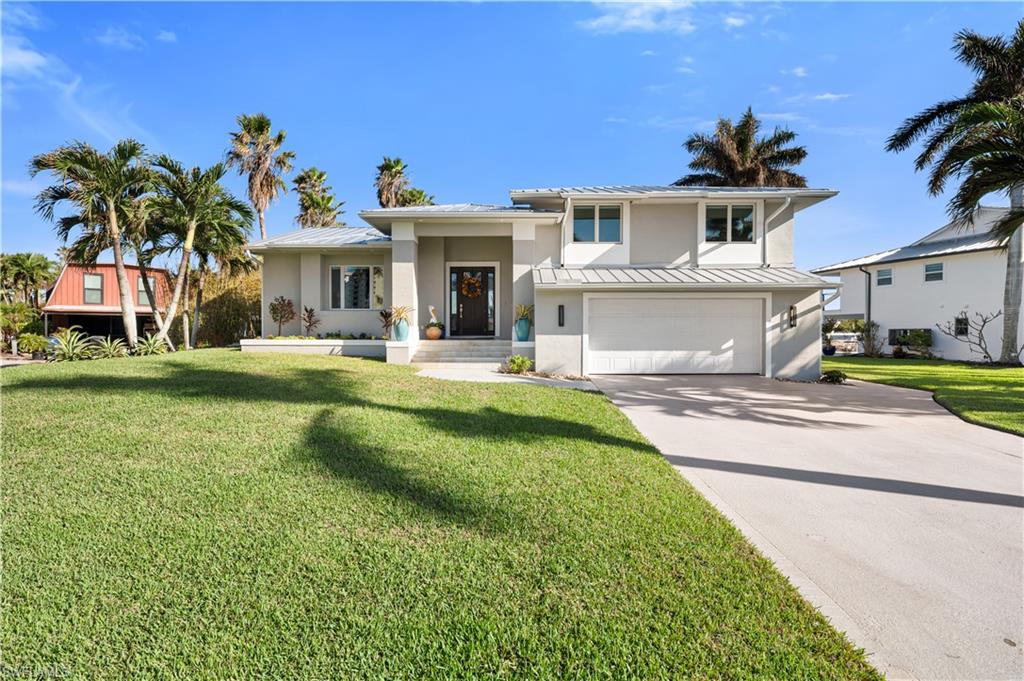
(932, 281)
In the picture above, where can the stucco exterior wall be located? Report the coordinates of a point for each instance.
(663, 234)
(281, 277)
(559, 349)
(488, 249)
(432, 288)
(779, 235)
(546, 245)
(350, 321)
(796, 351)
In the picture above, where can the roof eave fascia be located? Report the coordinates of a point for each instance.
(264, 248)
(636, 286)
(524, 197)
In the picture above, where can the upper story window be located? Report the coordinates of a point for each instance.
(883, 277)
(143, 297)
(93, 288)
(356, 287)
(733, 222)
(933, 271)
(597, 224)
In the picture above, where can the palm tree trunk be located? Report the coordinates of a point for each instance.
(200, 282)
(123, 290)
(184, 318)
(1012, 288)
(144, 273)
(179, 284)
(263, 224)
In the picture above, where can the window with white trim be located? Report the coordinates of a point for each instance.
(961, 326)
(600, 224)
(93, 284)
(933, 271)
(143, 297)
(883, 277)
(729, 223)
(356, 287)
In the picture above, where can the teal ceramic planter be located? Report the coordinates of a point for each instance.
(522, 330)
(401, 330)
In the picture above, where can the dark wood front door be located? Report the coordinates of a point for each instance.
(471, 298)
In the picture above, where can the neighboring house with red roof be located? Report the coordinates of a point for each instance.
(87, 296)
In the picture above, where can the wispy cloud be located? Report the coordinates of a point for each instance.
(678, 123)
(22, 187)
(734, 20)
(618, 120)
(829, 97)
(787, 116)
(21, 15)
(685, 69)
(798, 71)
(648, 53)
(660, 17)
(120, 38)
(167, 36)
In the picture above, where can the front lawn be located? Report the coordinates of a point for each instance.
(213, 514)
(987, 395)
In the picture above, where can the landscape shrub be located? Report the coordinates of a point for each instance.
(517, 364)
(833, 376)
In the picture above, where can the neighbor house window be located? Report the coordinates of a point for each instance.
(357, 287)
(933, 272)
(884, 277)
(93, 289)
(729, 223)
(960, 326)
(597, 224)
(143, 296)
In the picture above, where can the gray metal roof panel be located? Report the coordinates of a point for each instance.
(324, 237)
(927, 249)
(597, 277)
(644, 189)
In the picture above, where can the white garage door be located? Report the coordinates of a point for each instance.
(666, 335)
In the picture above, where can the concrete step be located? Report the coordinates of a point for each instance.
(464, 353)
(476, 366)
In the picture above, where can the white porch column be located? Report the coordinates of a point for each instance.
(523, 237)
(310, 282)
(404, 252)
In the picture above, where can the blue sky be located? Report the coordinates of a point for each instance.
(479, 98)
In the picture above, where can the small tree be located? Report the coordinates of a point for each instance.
(870, 337)
(309, 320)
(282, 311)
(972, 331)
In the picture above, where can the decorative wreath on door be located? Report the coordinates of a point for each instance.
(471, 287)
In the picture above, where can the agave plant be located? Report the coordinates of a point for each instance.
(108, 348)
(72, 345)
(151, 345)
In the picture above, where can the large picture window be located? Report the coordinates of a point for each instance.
(357, 287)
(597, 224)
(725, 223)
(93, 289)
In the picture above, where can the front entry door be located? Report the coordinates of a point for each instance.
(471, 298)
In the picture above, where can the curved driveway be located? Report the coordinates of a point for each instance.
(902, 523)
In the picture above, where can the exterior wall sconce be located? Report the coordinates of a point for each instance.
(792, 316)
(561, 315)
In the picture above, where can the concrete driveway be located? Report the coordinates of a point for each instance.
(902, 523)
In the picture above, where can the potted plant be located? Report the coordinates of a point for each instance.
(524, 319)
(433, 330)
(33, 343)
(396, 319)
(827, 327)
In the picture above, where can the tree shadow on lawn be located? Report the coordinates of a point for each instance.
(346, 453)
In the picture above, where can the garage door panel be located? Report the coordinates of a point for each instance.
(674, 335)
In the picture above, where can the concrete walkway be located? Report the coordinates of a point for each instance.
(479, 375)
(902, 523)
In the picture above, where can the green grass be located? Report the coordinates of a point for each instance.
(990, 396)
(213, 514)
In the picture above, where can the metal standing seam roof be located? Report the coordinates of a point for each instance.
(324, 237)
(457, 208)
(675, 277)
(644, 190)
(927, 249)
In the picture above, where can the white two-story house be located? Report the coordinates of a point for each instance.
(623, 279)
(946, 277)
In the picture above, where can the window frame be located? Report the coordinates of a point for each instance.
(941, 272)
(140, 291)
(878, 276)
(597, 206)
(86, 289)
(341, 281)
(965, 330)
(728, 222)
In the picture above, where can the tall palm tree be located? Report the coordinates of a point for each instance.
(318, 206)
(189, 201)
(221, 242)
(977, 138)
(100, 187)
(27, 273)
(256, 152)
(391, 182)
(734, 156)
(414, 196)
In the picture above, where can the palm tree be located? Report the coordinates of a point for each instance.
(27, 273)
(256, 151)
(222, 241)
(979, 139)
(391, 182)
(414, 196)
(734, 156)
(318, 207)
(100, 187)
(189, 201)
